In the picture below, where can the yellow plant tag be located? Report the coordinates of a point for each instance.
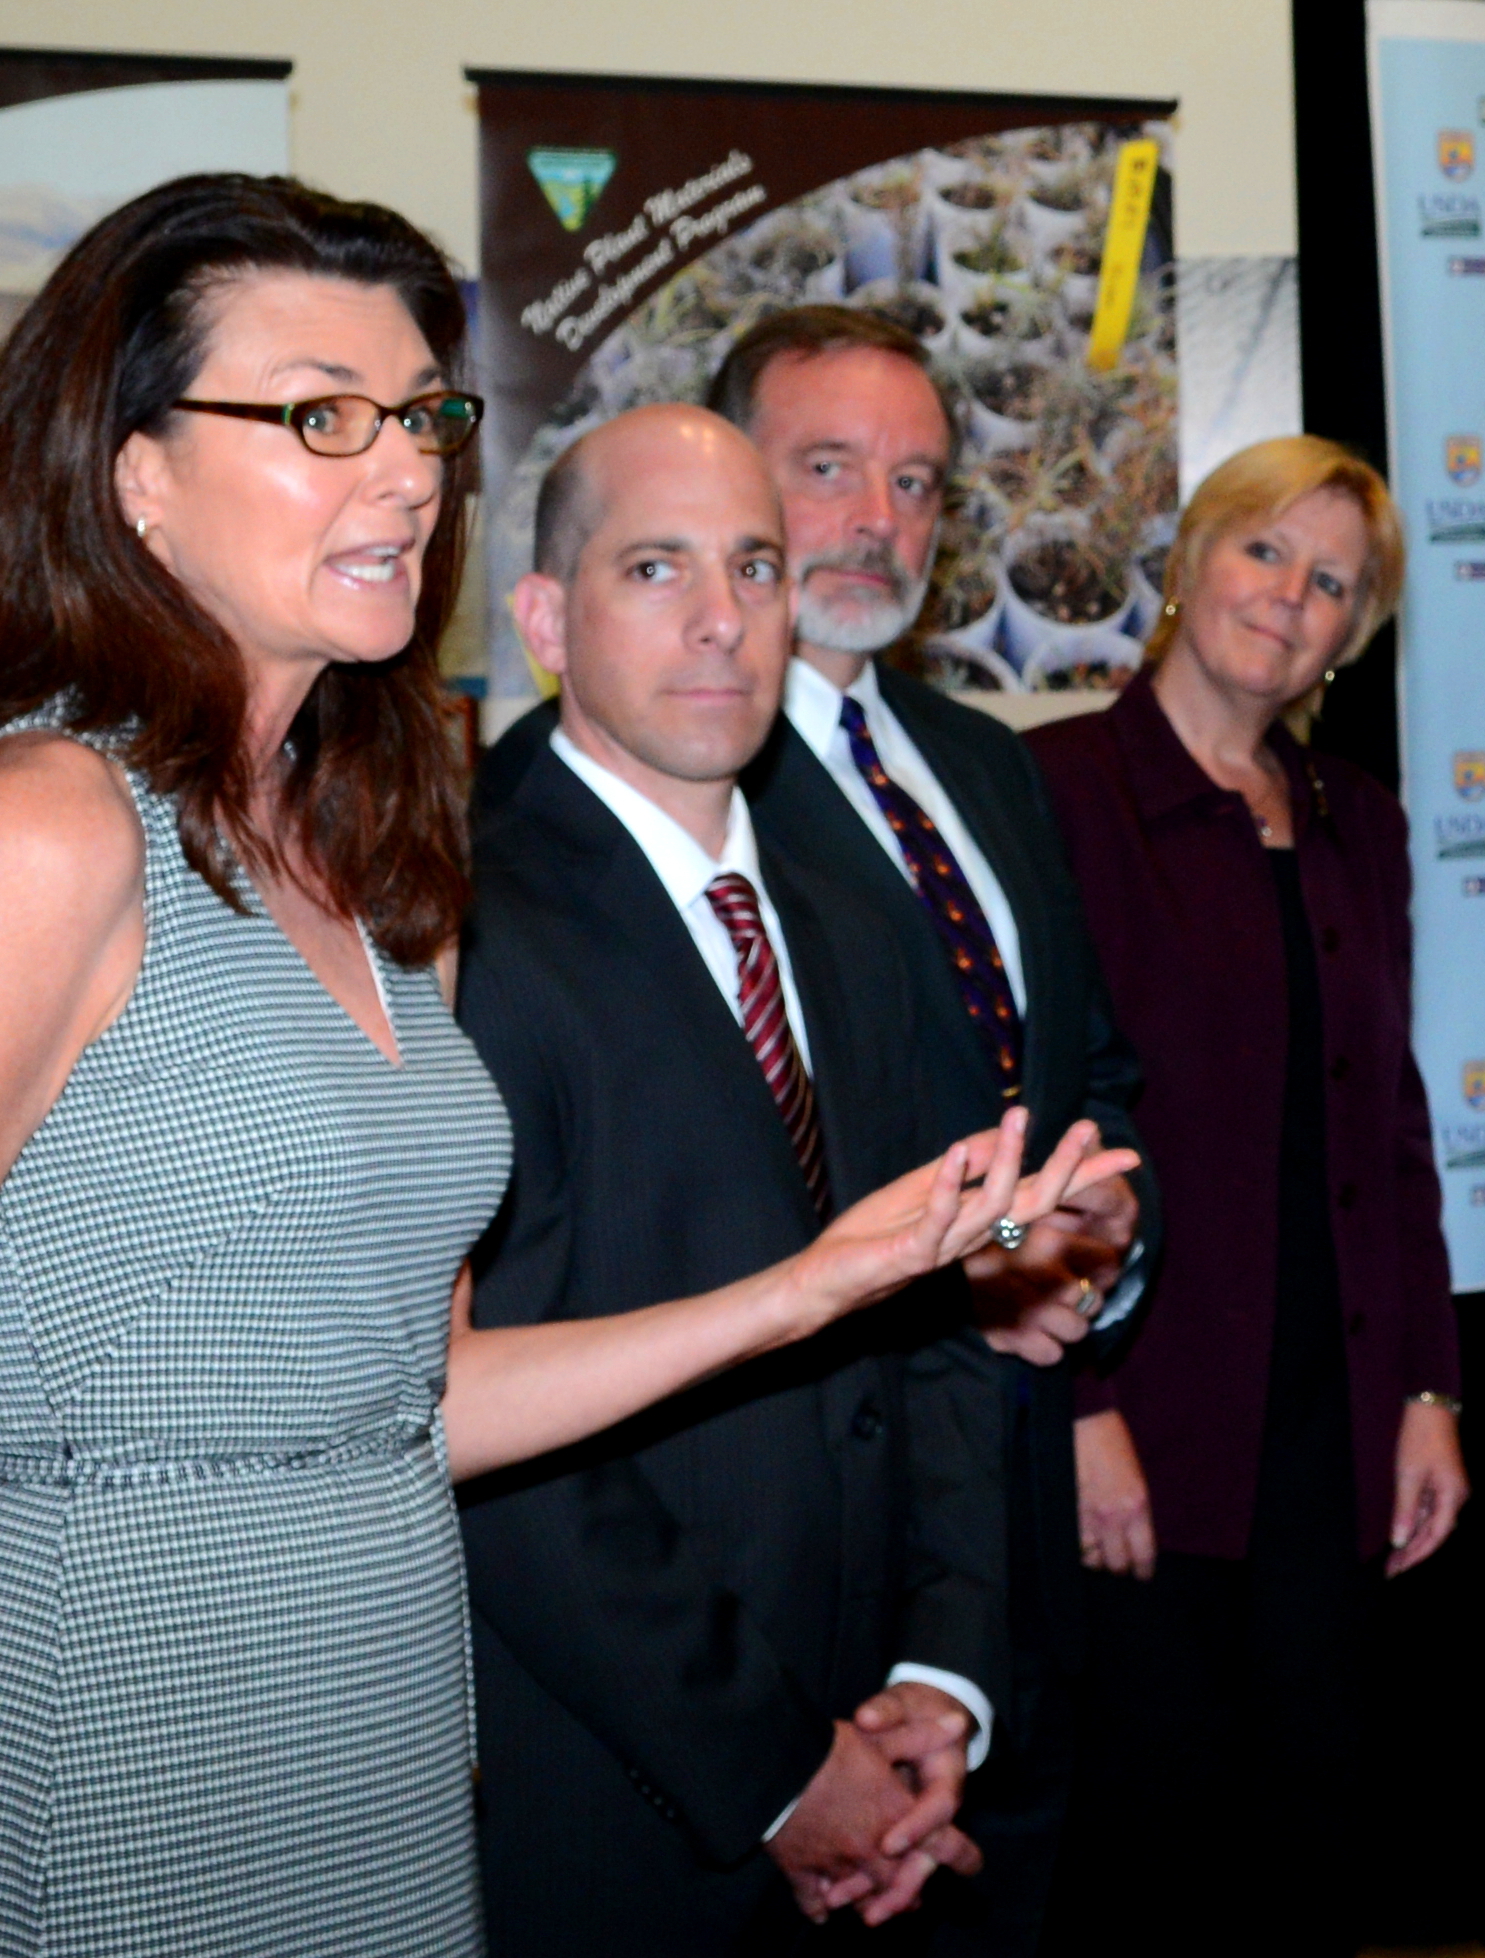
(1124, 242)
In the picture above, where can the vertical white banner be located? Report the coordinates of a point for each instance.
(1427, 62)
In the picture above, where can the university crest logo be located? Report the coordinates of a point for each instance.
(1469, 774)
(1462, 459)
(572, 181)
(1456, 154)
(1473, 1083)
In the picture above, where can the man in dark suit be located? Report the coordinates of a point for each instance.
(705, 1050)
(934, 813)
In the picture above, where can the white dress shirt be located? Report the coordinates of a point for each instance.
(685, 869)
(812, 704)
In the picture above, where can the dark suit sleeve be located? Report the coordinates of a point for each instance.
(954, 1617)
(955, 1470)
(1431, 1351)
(585, 1575)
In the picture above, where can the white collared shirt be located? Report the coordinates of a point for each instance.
(812, 703)
(685, 869)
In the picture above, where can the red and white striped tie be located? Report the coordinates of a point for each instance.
(766, 1024)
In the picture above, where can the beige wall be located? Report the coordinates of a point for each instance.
(380, 108)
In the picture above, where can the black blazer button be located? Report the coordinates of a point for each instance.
(1330, 939)
(867, 1422)
(1340, 1067)
(1345, 1196)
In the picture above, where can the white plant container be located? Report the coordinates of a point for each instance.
(941, 168)
(961, 284)
(889, 295)
(978, 348)
(991, 670)
(1048, 227)
(994, 431)
(1062, 665)
(885, 242)
(763, 251)
(1026, 628)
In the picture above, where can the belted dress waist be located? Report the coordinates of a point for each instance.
(71, 1465)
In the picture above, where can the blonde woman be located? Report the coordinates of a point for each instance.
(1285, 1427)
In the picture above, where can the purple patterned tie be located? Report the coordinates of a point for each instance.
(760, 997)
(950, 903)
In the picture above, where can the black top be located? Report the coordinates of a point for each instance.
(1305, 1483)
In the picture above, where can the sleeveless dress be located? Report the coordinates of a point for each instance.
(234, 1707)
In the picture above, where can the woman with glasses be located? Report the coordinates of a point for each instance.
(243, 1148)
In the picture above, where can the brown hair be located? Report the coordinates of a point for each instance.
(1263, 481)
(805, 331)
(88, 614)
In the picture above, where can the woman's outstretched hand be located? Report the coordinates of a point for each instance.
(945, 1211)
(517, 1391)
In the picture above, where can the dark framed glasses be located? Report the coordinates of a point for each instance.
(347, 424)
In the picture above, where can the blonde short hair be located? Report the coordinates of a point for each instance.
(1263, 481)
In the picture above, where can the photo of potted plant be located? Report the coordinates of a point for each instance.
(989, 251)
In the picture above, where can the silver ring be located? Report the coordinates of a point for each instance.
(1008, 1234)
(1089, 1300)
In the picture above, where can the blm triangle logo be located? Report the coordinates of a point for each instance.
(572, 181)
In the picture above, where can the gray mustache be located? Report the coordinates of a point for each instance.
(883, 563)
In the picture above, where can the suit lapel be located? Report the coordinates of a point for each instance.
(809, 818)
(820, 984)
(995, 818)
(609, 882)
(806, 814)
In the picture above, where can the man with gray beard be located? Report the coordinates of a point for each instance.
(935, 814)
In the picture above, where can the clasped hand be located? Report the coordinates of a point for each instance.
(877, 1819)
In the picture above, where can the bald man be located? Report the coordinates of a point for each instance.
(703, 1052)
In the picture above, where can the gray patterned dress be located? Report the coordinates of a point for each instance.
(233, 1710)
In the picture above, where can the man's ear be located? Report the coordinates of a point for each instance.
(539, 606)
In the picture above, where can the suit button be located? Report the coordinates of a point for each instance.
(1345, 1196)
(1340, 1067)
(1356, 1323)
(867, 1422)
(1330, 939)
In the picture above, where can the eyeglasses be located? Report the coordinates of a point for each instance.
(347, 424)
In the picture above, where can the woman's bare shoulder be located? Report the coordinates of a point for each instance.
(70, 837)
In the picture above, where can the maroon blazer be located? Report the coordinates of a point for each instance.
(1185, 916)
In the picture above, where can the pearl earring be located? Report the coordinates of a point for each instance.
(1329, 676)
(141, 528)
(1171, 609)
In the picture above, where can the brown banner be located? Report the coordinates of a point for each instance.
(633, 229)
(682, 150)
